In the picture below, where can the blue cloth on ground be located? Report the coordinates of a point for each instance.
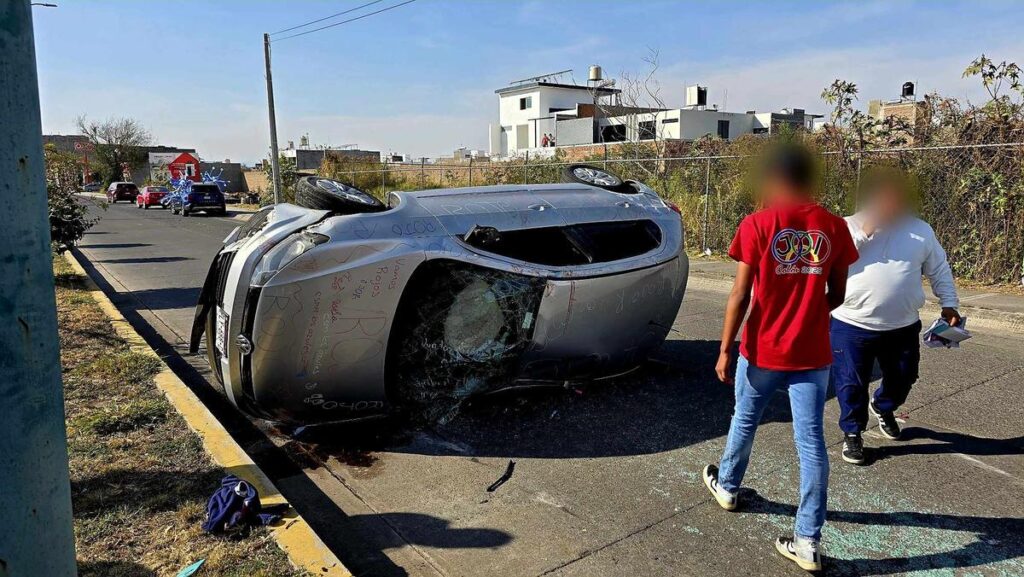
(236, 504)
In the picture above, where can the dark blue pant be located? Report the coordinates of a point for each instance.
(854, 352)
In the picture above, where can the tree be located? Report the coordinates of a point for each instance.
(117, 143)
(69, 218)
(289, 176)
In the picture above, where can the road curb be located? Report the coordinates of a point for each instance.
(296, 538)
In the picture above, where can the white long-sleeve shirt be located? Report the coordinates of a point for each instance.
(884, 290)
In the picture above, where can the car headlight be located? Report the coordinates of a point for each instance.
(283, 253)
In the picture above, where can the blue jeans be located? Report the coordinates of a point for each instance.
(854, 352)
(754, 390)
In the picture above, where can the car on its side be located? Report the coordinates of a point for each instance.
(151, 196)
(91, 187)
(205, 197)
(340, 307)
(122, 191)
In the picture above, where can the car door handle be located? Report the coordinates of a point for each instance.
(624, 204)
(539, 207)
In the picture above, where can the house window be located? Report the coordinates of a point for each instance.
(669, 120)
(613, 133)
(723, 129)
(525, 103)
(646, 130)
(190, 170)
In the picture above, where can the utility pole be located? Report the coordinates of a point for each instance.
(274, 165)
(36, 536)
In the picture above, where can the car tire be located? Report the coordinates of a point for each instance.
(595, 176)
(184, 212)
(326, 194)
(145, 206)
(174, 210)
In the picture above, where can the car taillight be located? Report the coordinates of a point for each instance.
(675, 208)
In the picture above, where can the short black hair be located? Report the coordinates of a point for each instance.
(791, 163)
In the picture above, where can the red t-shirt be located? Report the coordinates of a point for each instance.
(792, 250)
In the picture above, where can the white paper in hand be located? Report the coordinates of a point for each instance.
(941, 334)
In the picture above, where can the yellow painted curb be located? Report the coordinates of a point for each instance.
(304, 548)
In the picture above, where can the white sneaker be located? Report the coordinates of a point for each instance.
(727, 500)
(804, 552)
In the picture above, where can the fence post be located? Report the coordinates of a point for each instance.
(707, 204)
(526, 169)
(423, 176)
(471, 171)
(383, 183)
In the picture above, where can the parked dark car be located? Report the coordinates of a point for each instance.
(205, 197)
(122, 191)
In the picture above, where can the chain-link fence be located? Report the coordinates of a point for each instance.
(973, 196)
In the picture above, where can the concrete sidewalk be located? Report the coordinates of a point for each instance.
(990, 307)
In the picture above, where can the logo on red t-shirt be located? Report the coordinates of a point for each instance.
(791, 246)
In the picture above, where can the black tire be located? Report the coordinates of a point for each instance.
(326, 194)
(184, 212)
(145, 206)
(595, 176)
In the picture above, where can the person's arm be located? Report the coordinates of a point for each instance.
(940, 276)
(836, 285)
(862, 229)
(735, 309)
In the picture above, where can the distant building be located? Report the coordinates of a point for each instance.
(139, 174)
(578, 115)
(310, 159)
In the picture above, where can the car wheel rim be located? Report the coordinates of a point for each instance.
(344, 191)
(595, 176)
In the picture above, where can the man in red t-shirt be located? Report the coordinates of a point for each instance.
(792, 259)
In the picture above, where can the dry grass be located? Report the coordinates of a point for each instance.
(139, 476)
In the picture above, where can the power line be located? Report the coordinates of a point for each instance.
(344, 21)
(328, 17)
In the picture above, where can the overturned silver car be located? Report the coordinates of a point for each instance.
(344, 308)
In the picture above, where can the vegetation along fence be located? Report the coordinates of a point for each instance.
(972, 195)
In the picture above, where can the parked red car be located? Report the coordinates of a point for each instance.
(122, 191)
(150, 196)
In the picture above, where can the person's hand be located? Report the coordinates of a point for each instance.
(951, 316)
(722, 368)
(869, 225)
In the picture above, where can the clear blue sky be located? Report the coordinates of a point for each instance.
(420, 79)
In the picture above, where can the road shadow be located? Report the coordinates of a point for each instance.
(114, 245)
(145, 260)
(166, 298)
(673, 402)
(997, 539)
(947, 442)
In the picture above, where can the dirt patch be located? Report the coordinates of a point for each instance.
(139, 476)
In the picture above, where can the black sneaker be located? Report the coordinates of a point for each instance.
(853, 449)
(725, 499)
(886, 422)
(803, 552)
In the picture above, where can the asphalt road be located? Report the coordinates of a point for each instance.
(606, 480)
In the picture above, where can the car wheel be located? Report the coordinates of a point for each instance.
(174, 210)
(184, 212)
(594, 176)
(145, 206)
(326, 194)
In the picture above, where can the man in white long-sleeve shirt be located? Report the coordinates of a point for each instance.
(879, 320)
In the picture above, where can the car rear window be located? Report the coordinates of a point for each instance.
(205, 188)
(158, 189)
(127, 187)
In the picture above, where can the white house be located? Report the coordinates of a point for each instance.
(587, 115)
(527, 111)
